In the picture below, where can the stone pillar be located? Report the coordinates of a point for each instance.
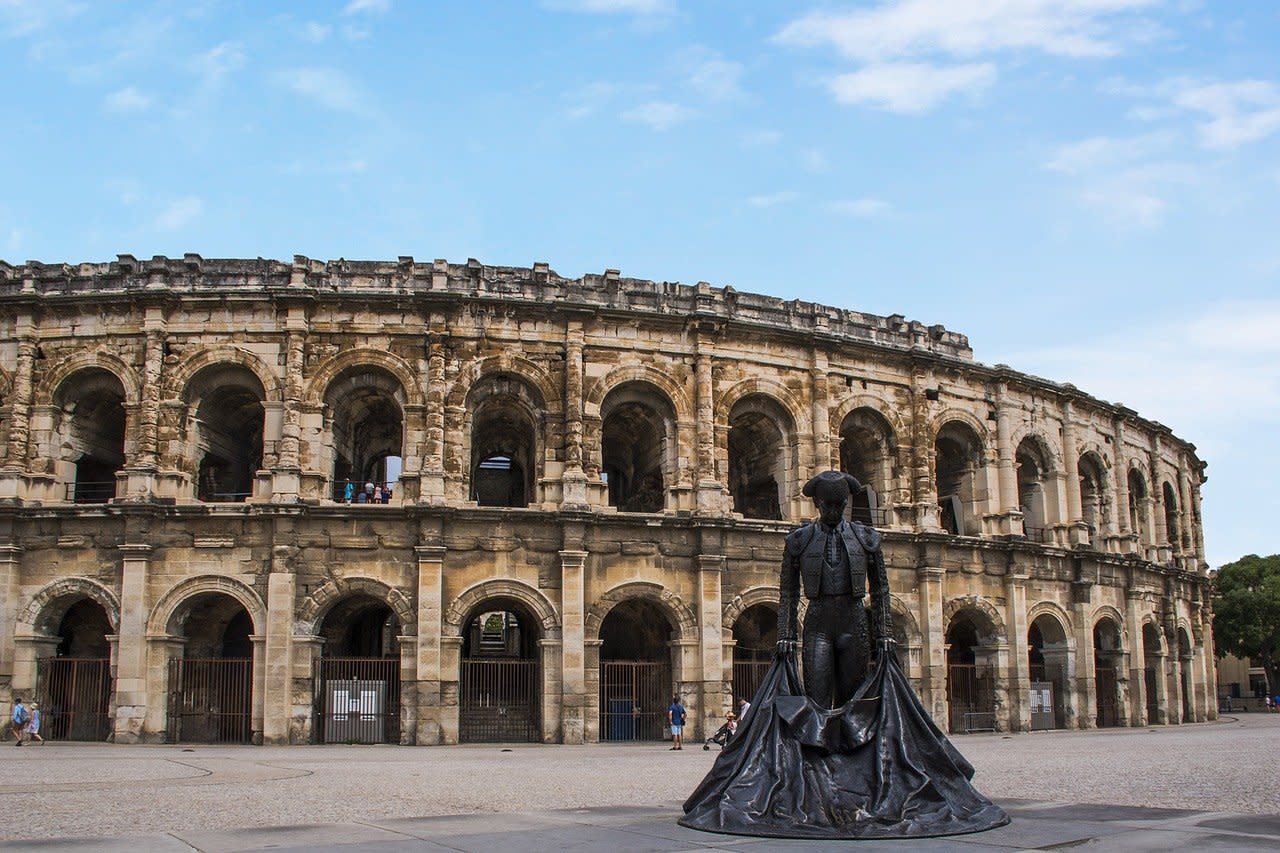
(573, 663)
(450, 667)
(822, 455)
(933, 652)
(258, 694)
(307, 649)
(1086, 693)
(1127, 536)
(549, 658)
(1077, 530)
(1010, 516)
(1137, 711)
(1173, 679)
(1019, 664)
(10, 574)
(132, 696)
(575, 479)
(277, 651)
(1197, 528)
(429, 676)
(1162, 540)
(715, 693)
(923, 486)
(408, 733)
(1184, 547)
(433, 461)
(286, 483)
(710, 494)
(20, 394)
(147, 454)
(28, 649)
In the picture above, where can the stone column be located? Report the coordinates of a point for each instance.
(307, 649)
(1127, 536)
(923, 486)
(1173, 679)
(1077, 530)
(573, 662)
(550, 652)
(433, 461)
(408, 734)
(1183, 547)
(822, 455)
(141, 466)
(1163, 543)
(1010, 516)
(933, 652)
(258, 694)
(1086, 684)
(450, 667)
(1020, 663)
(715, 693)
(1137, 711)
(277, 651)
(710, 493)
(20, 395)
(575, 479)
(132, 696)
(28, 649)
(430, 723)
(286, 483)
(10, 573)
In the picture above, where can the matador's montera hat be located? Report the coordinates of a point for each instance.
(832, 484)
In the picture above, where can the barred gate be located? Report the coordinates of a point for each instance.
(1108, 702)
(1153, 698)
(75, 698)
(634, 697)
(970, 698)
(499, 701)
(357, 700)
(210, 700)
(747, 676)
(1055, 716)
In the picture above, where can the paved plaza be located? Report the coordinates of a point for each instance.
(1207, 786)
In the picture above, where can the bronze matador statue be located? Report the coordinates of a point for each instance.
(835, 561)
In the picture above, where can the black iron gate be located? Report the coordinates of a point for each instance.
(970, 698)
(634, 697)
(747, 676)
(1153, 698)
(210, 700)
(499, 701)
(1108, 701)
(75, 698)
(357, 700)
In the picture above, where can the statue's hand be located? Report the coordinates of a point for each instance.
(785, 648)
(886, 644)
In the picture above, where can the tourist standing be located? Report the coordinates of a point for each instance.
(348, 491)
(675, 717)
(19, 719)
(33, 724)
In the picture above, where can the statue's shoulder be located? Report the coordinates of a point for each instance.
(868, 536)
(798, 538)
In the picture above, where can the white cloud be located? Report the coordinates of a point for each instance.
(179, 214)
(314, 31)
(367, 7)
(1239, 112)
(1098, 152)
(327, 87)
(863, 208)
(659, 115)
(588, 99)
(716, 79)
(219, 61)
(774, 199)
(611, 7)
(1128, 181)
(127, 100)
(20, 18)
(910, 87)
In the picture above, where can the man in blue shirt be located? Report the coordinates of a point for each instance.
(675, 716)
(19, 719)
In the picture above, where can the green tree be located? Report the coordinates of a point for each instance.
(1246, 606)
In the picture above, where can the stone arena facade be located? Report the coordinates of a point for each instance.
(590, 482)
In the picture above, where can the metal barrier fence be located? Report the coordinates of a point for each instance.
(90, 491)
(634, 697)
(499, 701)
(357, 700)
(747, 676)
(1108, 700)
(75, 698)
(209, 700)
(970, 698)
(1153, 696)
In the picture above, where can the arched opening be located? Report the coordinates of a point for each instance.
(971, 685)
(1171, 515)
(636, 442)
(1184, 676)
(755, 634)
(1093, 494)
(226, 405)
(760, 457)
(359, 673)
(1151, 671)
(1033, 470)
(74, 686)
(504, 442)
(866, 452)
(1047, 656)
(1138, 507)
(635, 671)
(500, 685)
(366, 407)
(958, 454)
(1107, 657)
(211, 685)
(90, 426)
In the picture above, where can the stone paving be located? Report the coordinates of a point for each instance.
(1206, 786)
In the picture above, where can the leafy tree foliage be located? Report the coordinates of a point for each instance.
(1246, 605)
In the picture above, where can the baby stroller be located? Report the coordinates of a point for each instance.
(722, 735)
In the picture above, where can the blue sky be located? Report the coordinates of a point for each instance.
(1090, 189)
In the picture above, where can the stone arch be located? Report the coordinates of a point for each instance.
(851, 403)
(977, 604)
(475, 595)
(39, 614)
(505, 363)
(679, 613)
(355, 359)
(676, 395)
(745, 600)
(160, 621)
(902, 616)
(1058, 613)
(109, 362)
(1107, 611)
(318, 604)
(769, 388)
(178, 381)
(965, 417)
(1048, 452)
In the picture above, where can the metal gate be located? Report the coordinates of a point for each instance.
(75, 698)
(1050, 681)
(1153, 698)
(209, 700)
(747, 676)
(499, 701)
(1108, 704)
(970, 698)
(357, 700)
(634, 697)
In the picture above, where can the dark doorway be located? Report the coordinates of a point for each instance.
(970, 684)
(635, 672)
(211, 686)
(1106, 655)
(75, 686)
(755, 634)
(358, 674)
(500, 685)
(1047, 659)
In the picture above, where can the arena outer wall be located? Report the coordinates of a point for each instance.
(176, 435)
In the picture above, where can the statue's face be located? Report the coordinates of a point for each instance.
(830, 509)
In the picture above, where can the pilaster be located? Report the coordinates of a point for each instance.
(10, 575)
(715, 695)
(1020, 663)
(573, 692)
(1137, 711)
(1086, 683)
(277, 653)
(132, 696)
(430, 724)
(933, 654)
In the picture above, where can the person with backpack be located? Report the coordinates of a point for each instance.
(33, 723)
(19, 720)
(675, 716)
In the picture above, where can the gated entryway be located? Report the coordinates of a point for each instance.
(209, 700)
(359, 700)
(635, 672)
(970, 698)
(1106, 656)
(500, 680)
(75, 698)
(1108, 704)
(755, 633)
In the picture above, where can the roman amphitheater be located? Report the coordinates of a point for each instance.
(590, 480)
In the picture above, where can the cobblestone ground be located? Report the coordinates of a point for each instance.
(65, 790)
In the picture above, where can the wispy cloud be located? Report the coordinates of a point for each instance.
(910, 87)
(761, 138)
(127, 100)
(659, 115)
(313, 31)
(612, 7)
(863, 208)
(367, 7)
(1128, 181)
(716, 78)
(1239, 112)
(179, 214)
(328, 87)
(774, 199)
(216, 63)
(19, 18)
(588, 99)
